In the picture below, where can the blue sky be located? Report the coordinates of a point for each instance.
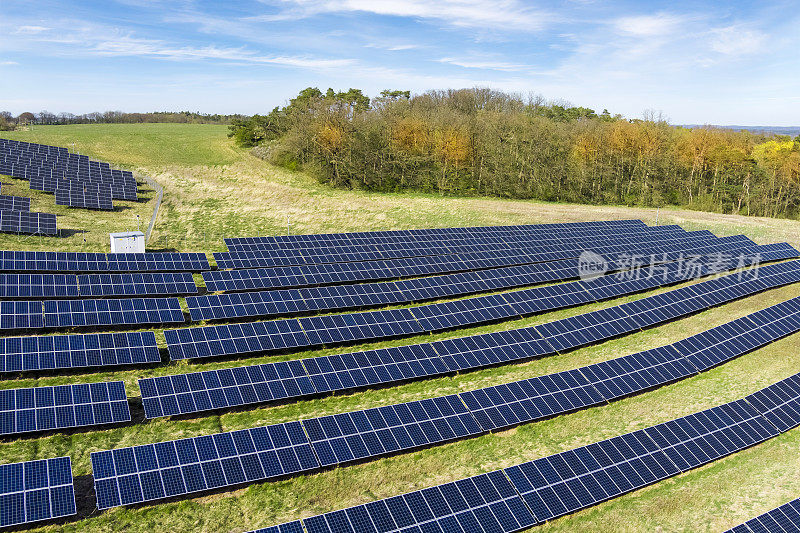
(729, 62)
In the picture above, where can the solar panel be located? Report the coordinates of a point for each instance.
(783, 519)
(139, 284)
(346, 437)
(85, 197)
(279, 302)
(150, 472)
(71, 313)
(187, 393)
(97, 262)
(289, 527)
(334, 273)
(38, 286)
(258, 256)
(27, 222)
(487, 502)
(14, 203)
(312, 331)
(36, 490)
(23, 354)
(63, 406)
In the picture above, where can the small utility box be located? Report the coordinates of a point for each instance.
(127, 242)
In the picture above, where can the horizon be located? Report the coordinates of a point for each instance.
(697, 63)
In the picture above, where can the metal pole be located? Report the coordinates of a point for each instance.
(287, 225)
(658, 210)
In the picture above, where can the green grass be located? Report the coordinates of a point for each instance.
(214, 189)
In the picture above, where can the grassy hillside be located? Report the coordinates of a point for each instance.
(212, 188)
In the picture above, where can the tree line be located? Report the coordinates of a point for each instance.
(486, 142)
(9, 122)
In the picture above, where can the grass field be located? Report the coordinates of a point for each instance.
(212, 188)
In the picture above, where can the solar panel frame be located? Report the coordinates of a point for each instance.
(40, 409)
(52, 352)
(33, 491)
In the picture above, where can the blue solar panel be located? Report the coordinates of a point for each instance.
(38, 286)
(63, 406)
(559, 484)
(195, 392)
(23, 354)
(36, 490)
(14, 203)
(71, 313)
(311, 331)
(28, 222)
(783, 519)
(139, 284)
(154, 471)
(97, 262)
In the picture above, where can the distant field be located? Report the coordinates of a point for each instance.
(214, 189)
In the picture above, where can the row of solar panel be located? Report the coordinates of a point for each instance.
(122, 191)
(25, 168)
(62, 407)
(84, 285)
(50, 352)
(334, 273)
(14, 203)
(132, 475)
(541, 250)
(99, 262)
(28, 314)
(524, 495)
(262, 257)
(431, 233)
(783, 519)
(333, 329)
(7, 144)
(328, 298)
(217, 389)
(39, 176)
(28, 222)
(498, 238)
(86, 199)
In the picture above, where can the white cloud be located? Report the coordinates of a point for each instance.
(8, 63)
(30, 30)
(736, 41)
(476, 14)
(649, 25)
(484, 64)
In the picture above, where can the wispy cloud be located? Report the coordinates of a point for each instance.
(8, 63)
(482, 14)
(658, 24)
(484, 64)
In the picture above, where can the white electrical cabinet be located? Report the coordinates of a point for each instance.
(127, 242)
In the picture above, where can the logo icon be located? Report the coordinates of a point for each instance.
(591, 265)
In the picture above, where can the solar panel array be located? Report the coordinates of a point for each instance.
(73, 313)
(434, 234)
(783, 519)
(28, 222)
(335, 273)
(50, 352)
(85, 197)
(63, 406)
(14, 203)
(333, 329)
(559, 484)
(268, 256)
(315, 299)
(99, 262)
(36, 490)
(49, 168)
(142, 473)
(74, 286)
(493, 407)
